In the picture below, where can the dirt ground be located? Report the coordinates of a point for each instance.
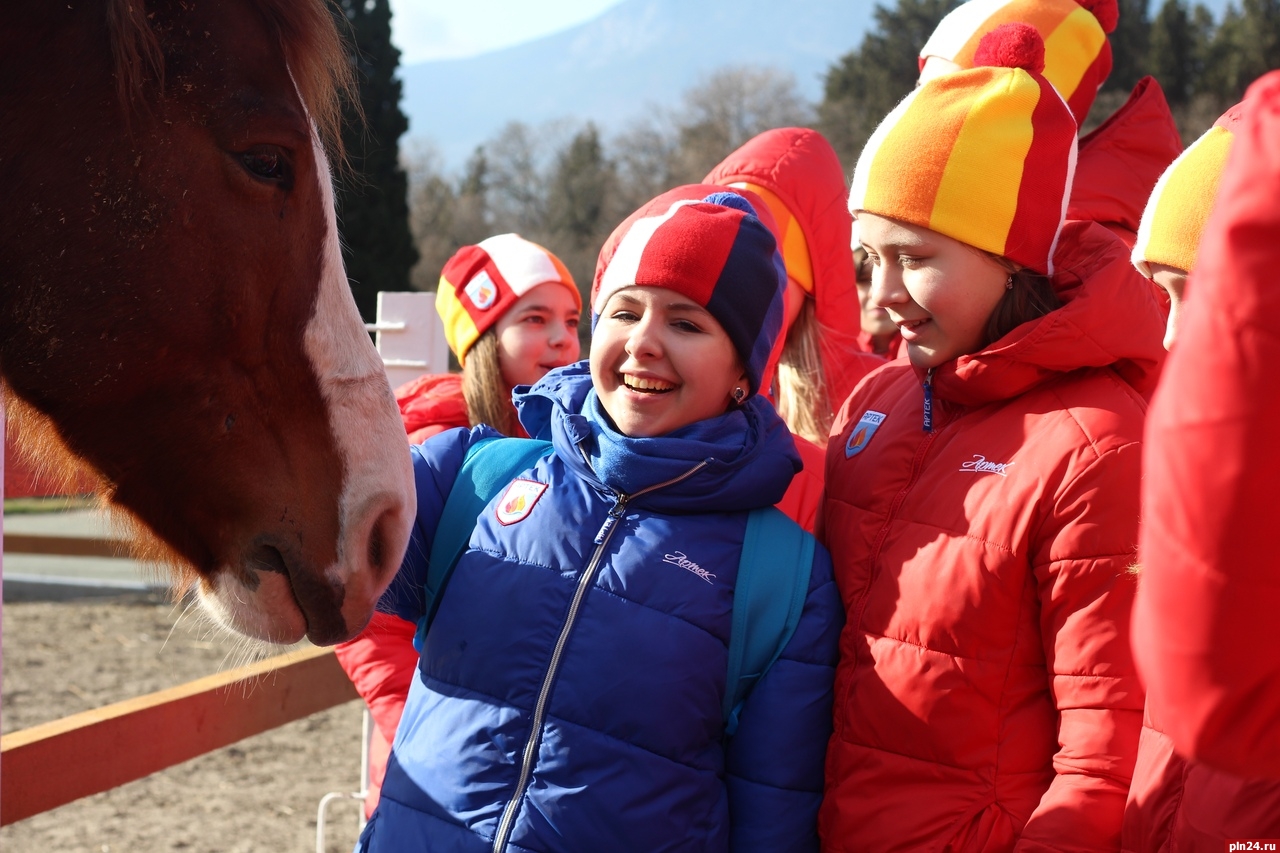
(257, 796)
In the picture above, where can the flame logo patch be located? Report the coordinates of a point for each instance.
(861, 434)
(518, 501)
(481, 290)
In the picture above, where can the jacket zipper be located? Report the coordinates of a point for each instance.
(540, 708)
(928, 400)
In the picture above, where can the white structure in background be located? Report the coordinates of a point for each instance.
(410, 336)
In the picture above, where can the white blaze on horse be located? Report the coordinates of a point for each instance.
(173, 306)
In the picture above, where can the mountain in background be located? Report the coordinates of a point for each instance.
(638, 55)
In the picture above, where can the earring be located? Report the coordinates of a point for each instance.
(739, 395)
(1008, 282)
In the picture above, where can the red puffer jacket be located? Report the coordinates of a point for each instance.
(986, 696)
(431, 404)
(1204, 625)
(1181, 806)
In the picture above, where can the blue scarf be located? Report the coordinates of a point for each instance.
(749, 453)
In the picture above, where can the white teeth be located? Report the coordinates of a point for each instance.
(635, 383)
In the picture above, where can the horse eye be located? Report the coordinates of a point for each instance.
(269, 164)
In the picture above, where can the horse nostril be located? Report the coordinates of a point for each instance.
(377, 545)
(267, 558)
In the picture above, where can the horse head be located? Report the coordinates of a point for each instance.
(175, 307)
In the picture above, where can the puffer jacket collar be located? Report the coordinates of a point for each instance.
(1111, 319)
(748, 453)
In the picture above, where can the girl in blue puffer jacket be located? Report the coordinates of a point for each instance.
(569, 692)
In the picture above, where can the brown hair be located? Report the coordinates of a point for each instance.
(486, 392)
(1030, 296)
(802, 384)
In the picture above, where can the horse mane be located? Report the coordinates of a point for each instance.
(306, 31)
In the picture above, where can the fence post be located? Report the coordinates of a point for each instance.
(410, 336)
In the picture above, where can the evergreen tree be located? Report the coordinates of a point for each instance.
(1173, 52)
(1260, 42)
(373, 209)
(866, 83)
(472, 218)
(1129, 47)
(578, 189)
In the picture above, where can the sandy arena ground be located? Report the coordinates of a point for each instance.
(258, 796)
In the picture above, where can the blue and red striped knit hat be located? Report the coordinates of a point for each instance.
(710, 246)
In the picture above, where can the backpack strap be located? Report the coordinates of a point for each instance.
(490, 464)
(773, 581)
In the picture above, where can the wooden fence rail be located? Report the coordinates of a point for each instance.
(66, 546)
(49, 765)
(54, 763)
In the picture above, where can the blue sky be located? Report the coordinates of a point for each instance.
(449, 29)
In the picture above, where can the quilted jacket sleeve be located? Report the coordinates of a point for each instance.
(1082, 566)
(1205, 625)
(436, 463)
(381, 660)
(775, 760)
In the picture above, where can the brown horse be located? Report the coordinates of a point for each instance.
(173, 306)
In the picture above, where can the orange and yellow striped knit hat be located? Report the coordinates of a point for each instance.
(984, 156)
(1174, 217)
(1077, 54)
(480, 283)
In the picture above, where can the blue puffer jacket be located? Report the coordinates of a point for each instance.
(569, 692)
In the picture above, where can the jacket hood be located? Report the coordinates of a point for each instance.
(748, 452)
(801, 168)
(1112, 318)
(1121, 160)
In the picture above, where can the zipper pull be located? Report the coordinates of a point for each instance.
(928, 400)
(614, 514)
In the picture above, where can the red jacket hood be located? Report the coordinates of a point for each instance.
(801, 168)
(1111, 319)
(1121, 160)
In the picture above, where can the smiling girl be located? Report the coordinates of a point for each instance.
(982, 499)
(510, 310)
(570, 688)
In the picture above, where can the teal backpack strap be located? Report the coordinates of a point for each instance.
(490, 465)
(773, 580)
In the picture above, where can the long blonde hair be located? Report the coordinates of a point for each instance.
(801, 388)
(486, 392)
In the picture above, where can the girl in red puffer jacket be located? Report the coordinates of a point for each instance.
(982, 499)
(1179, 803)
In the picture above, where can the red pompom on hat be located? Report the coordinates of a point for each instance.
(1077, 52)
(1012, 45)
(1106, 11)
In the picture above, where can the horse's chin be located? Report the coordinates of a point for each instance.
(264, 610)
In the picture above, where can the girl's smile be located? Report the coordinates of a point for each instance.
(660, 361)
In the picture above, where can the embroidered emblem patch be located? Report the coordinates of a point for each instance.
(481, 290)
(862, 433)
(517, 502)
